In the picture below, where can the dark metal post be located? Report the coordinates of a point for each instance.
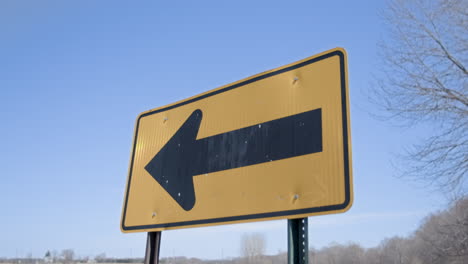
(153, 243)
(298, 241)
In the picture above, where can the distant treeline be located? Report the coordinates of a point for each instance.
(442, 238)
(78, 260)
(120, 260)
(21, 260)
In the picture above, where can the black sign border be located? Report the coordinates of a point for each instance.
(260, 216)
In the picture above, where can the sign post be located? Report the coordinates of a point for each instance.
(153, 244)
(298, 241)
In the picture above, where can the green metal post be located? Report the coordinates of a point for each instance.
(298, 241)
(153, 244)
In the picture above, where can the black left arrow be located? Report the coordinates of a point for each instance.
(183, 156)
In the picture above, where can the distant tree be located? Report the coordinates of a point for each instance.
(68, 255)
(29, 258)
(85, 259)
(444, 236)
(55, 256)
(48, 257)
(329, 255)
(372, 256)
(354, 254)
(100, 257)
(394, 251)
(424, 61)
(336, 253)
(253, 247)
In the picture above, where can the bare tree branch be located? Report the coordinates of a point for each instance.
(424, 81)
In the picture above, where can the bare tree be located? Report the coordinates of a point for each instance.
(100, 257)
(253, 247)
(444, 235)
(393, 251)
(424, 81)
(354, 254)
(55, 256)
(328, 255)
(372, 256)
(68, 255)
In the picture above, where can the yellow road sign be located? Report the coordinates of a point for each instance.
(274, 145)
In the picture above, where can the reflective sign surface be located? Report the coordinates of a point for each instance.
(275, 145)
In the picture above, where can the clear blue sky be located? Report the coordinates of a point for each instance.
(74, 75)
